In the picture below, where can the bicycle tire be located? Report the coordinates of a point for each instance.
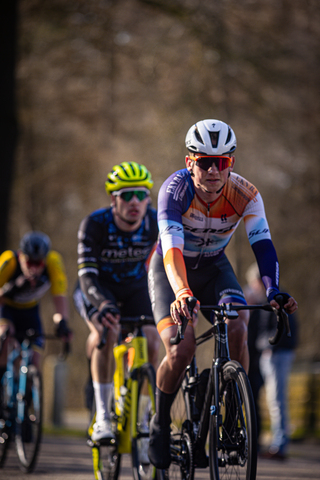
(110, 463)
(5, 424)
(142, 414)
(233, 442)
(182, 460)
(109, 459)
(29, 431)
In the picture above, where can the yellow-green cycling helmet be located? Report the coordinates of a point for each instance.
(128, 174)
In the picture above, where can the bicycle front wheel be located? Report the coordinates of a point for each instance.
(143, 408)
(29, 422)
(233, 432)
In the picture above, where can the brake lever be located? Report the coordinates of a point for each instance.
(191, 302)
(282, 321)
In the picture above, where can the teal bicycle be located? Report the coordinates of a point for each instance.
(21, 402)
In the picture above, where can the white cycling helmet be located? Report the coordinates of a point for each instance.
(211, 137)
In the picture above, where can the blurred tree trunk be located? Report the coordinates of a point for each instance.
(8, 121)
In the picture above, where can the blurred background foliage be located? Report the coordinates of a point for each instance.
(98, 82)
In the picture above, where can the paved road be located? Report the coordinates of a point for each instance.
(69, 458)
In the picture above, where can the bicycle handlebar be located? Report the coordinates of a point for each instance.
(32, 334)
(282, 320)
(229, 310)
(129, 322)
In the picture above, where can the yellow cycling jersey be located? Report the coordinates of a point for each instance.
(19, 292)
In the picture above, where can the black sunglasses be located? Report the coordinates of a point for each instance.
(206, 162)
(129, 194)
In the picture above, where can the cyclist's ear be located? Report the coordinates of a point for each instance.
(189, 163)
(233, 162)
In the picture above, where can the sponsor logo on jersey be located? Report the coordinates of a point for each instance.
(253, 233)
(210, 230)
(125, 253)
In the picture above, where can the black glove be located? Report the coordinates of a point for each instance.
(274, 294)
(110, 308)
(62, 329)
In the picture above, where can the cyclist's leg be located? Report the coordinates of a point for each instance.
(92, 341)
(102, 364)
(5, 324)
(172, 367)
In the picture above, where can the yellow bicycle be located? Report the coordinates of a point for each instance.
(133, 405)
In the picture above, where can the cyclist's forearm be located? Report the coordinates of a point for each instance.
(268, 263)
(90, 286)
(61, 305)
(176, 270)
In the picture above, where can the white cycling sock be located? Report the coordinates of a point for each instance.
(102, 395)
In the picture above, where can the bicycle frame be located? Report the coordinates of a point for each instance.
(222, 355)
(126, 390)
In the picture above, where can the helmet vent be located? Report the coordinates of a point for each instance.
(198, 136)
(229, 136)
(214, 137)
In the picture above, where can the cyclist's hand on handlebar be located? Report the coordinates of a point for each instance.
(179, 308)
(290, 304)
(108, 315)
(63, 331)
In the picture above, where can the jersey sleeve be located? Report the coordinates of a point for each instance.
(171, 204)
(57, 274)
(259, 236)
(89, 247)
(8, 265)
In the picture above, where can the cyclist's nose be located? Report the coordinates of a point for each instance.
(213, 168)
(134, 199)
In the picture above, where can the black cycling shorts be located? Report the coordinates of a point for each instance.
(211, 285)
(132, 299)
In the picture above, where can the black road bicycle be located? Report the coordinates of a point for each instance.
(216, 406)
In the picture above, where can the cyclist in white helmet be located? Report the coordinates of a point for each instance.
(114, 244)
(199, 209)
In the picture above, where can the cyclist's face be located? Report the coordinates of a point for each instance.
(129, 214)
(208, 183)
(29, 268)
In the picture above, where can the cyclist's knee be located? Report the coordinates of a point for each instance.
(238, 331)
(179, 356)
(154, 341)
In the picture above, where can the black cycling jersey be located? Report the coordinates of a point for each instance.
(108, 255)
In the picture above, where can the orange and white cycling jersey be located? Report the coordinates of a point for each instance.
(194, 234)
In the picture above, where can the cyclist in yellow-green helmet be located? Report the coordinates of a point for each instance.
(114, 245)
